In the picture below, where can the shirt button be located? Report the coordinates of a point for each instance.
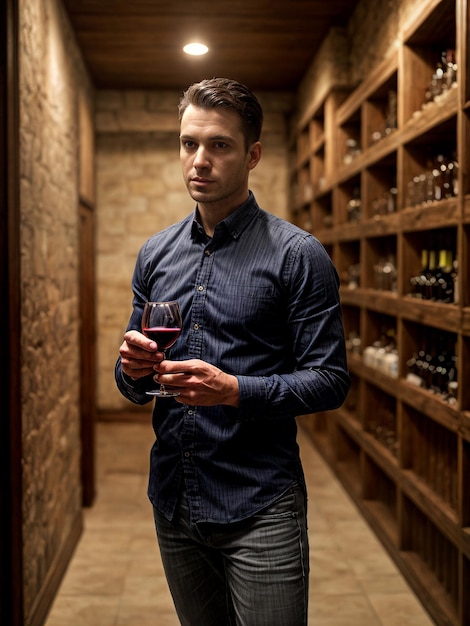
(200, 288)
(207, 252)
(187, 455)
(196, 326)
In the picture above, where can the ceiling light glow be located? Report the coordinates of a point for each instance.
(196, 49)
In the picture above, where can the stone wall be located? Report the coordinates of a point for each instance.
(140, 190)
(51, 78)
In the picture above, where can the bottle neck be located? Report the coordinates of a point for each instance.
(424, 259)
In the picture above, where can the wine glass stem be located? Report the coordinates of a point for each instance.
(162, 386)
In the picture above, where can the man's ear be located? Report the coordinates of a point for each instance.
(254, 154)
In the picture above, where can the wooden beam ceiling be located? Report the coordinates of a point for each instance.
(266, 44)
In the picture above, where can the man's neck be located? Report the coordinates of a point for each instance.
(209, 215)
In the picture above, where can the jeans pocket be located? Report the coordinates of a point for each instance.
(287, 505)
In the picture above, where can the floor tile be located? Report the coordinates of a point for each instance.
(94, 610)
(397, 609)
(350, 610)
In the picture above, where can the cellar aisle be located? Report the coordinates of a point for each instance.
(116, 577)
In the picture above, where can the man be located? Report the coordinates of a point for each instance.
(262, 342)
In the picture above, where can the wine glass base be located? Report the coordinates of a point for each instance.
(162, 394)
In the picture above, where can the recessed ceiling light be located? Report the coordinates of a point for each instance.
(196, 49)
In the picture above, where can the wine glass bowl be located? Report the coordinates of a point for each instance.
(162, 322)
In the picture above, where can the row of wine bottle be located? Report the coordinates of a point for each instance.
(433, 366)
(353, 146)
(437, 279)
(439, 181)
(444, 76)
(382, 355)
(383, 205)
(385, 274)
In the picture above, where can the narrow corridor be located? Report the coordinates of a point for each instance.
(116, 578)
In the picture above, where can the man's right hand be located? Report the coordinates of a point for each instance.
(138, 355)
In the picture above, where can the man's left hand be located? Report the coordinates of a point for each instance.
(198, 382)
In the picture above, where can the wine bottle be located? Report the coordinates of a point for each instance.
(438, 173)
(454, 175)
(354, 206)
(430, 278)
(455, 282)
(417, 281)
(442, 275)
(450, 68)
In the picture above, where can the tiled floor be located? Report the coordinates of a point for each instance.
(116, 578)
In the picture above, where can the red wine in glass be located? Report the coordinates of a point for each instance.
(161, 322)
(165, 337)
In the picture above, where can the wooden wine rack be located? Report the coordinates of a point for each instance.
(401, 451)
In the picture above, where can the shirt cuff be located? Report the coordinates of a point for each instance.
(253, 393)
(133, 390)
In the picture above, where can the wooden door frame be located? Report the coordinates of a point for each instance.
(11, 543)
(87, 350)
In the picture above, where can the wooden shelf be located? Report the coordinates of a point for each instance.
(429, 313)
(430, 405)
(401, 450)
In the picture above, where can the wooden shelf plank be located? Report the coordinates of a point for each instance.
(381, 225)
(429, 404)
(466, 209)
(428, 589)
(435, 509)
(435, 114)
(379, 516)
(441, 315)
(429, 216)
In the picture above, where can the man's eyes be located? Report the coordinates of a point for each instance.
(191, 145)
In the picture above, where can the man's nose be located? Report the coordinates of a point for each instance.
(201, 159)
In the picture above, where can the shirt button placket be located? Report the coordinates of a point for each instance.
(197, 310)
(189, 469)
(195, 349)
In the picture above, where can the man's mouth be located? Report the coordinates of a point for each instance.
(200, 182)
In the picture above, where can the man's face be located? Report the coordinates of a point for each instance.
(214, 157)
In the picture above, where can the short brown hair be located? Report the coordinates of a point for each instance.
(214, 93)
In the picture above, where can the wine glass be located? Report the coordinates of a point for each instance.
(161, 322)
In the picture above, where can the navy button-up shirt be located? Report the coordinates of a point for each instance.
(260, 301)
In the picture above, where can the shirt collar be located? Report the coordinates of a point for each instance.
(234, 224)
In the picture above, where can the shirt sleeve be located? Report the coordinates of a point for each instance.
(319, 380)
(134, 390)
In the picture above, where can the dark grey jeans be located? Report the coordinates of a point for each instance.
(253, 573)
